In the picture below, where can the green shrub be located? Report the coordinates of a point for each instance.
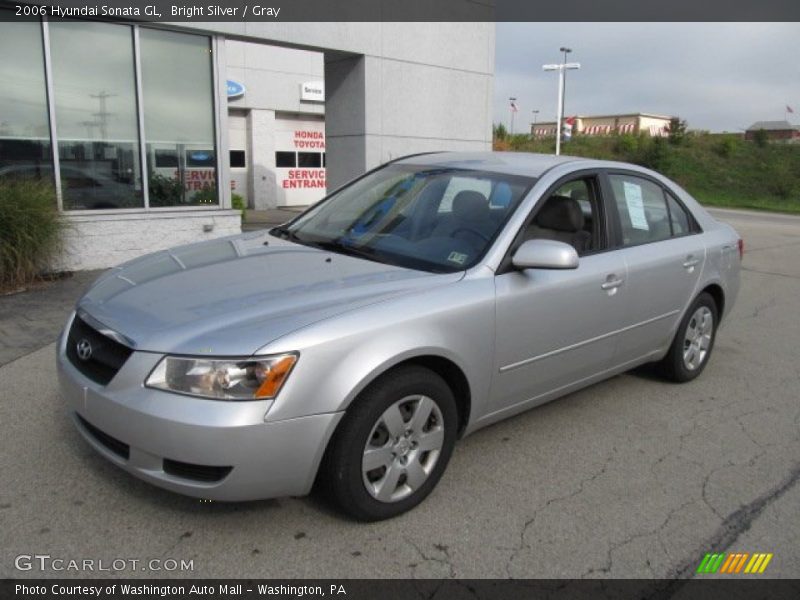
(165, 191)
(726, 147)
(206, 195)
(626, 145)
(677, 131)
(30, 231)
(237, 202)
(761, 138)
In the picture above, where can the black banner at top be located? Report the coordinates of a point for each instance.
(408, 10)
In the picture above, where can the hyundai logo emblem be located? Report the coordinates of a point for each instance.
(84, 349)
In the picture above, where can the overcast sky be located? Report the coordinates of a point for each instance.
(717, 76)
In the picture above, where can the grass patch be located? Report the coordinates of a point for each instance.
(30, 231)
(718, 169)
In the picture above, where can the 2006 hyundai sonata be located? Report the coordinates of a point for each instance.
(352, 346)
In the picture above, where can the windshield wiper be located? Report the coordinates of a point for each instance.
(283, 232)
(336, 245)
(342, 248)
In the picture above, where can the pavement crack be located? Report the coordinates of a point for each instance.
(759, 308)
(733, 526)
(609, 564)
(704, 495)
(529, 522)
(770, 273)
(444, 561)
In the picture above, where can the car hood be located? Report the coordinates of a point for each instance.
(231, 296)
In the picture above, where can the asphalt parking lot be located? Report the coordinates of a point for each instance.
(630, 478)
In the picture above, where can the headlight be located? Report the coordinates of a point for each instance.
(253, 378)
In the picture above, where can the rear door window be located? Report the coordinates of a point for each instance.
(681, 222)
(642, 208)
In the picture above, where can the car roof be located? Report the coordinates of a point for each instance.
(512, 163)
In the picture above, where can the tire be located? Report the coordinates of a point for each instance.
(691, 349)
(407, 466)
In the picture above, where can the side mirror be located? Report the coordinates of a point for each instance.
(545, 254)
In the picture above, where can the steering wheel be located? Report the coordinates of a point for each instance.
(485, 238)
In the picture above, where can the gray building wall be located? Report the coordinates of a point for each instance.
(392, 88)
(272, 76)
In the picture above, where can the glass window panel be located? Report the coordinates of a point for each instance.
(284, 160)
(24, 126)
(94, 89)
(166, 158)
(680, 219)
(309, 159)
(238, 159)
(642, 210)
(177, 91)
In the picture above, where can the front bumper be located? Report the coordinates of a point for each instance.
(146, 431)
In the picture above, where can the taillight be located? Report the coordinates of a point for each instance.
(741, 248)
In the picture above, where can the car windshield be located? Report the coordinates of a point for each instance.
(420, 217)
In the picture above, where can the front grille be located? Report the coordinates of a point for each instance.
(106, 357)
(195, 472)
(121, 449)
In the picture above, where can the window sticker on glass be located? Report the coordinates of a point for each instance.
(633, 200)
(457, 257)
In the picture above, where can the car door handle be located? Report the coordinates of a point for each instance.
(611, 284)
(691, 262)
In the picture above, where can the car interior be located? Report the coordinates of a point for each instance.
(569, 215)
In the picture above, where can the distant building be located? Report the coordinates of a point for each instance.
(775, 130)
(633, 123)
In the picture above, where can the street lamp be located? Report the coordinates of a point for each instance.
(566, 51)
(533, 126)
(561, 69)
(513, 108)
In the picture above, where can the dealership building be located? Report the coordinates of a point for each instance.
(629, 123)
(148, 130)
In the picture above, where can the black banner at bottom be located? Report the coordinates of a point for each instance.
(401, 589)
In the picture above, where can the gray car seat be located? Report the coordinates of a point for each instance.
(560, 219)
(470, 213)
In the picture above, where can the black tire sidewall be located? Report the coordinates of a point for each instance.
(678, 367)
(342, 463)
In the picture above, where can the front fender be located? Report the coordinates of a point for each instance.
(342, 356)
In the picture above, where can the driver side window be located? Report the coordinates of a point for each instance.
(571, 214)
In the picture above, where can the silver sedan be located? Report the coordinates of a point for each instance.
(351, 347)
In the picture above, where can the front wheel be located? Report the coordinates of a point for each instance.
(392, 445)
(694, 341)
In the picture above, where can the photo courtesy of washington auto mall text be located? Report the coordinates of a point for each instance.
(76, 591)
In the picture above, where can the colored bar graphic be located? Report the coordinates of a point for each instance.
(704, 564)
(728, 562)
(711, 563)
(734, 563)
(767, 558)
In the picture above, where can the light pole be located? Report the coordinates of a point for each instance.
(512, 107)
(561, 69)
(566, 51)
(533, 125)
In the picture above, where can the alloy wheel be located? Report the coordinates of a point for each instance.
(697, 339)
(403, 448)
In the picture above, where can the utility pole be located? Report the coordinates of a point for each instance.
(561, 69)
(102, 115)
(566, 51)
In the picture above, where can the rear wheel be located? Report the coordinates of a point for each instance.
(694, 341)
(392, 445)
